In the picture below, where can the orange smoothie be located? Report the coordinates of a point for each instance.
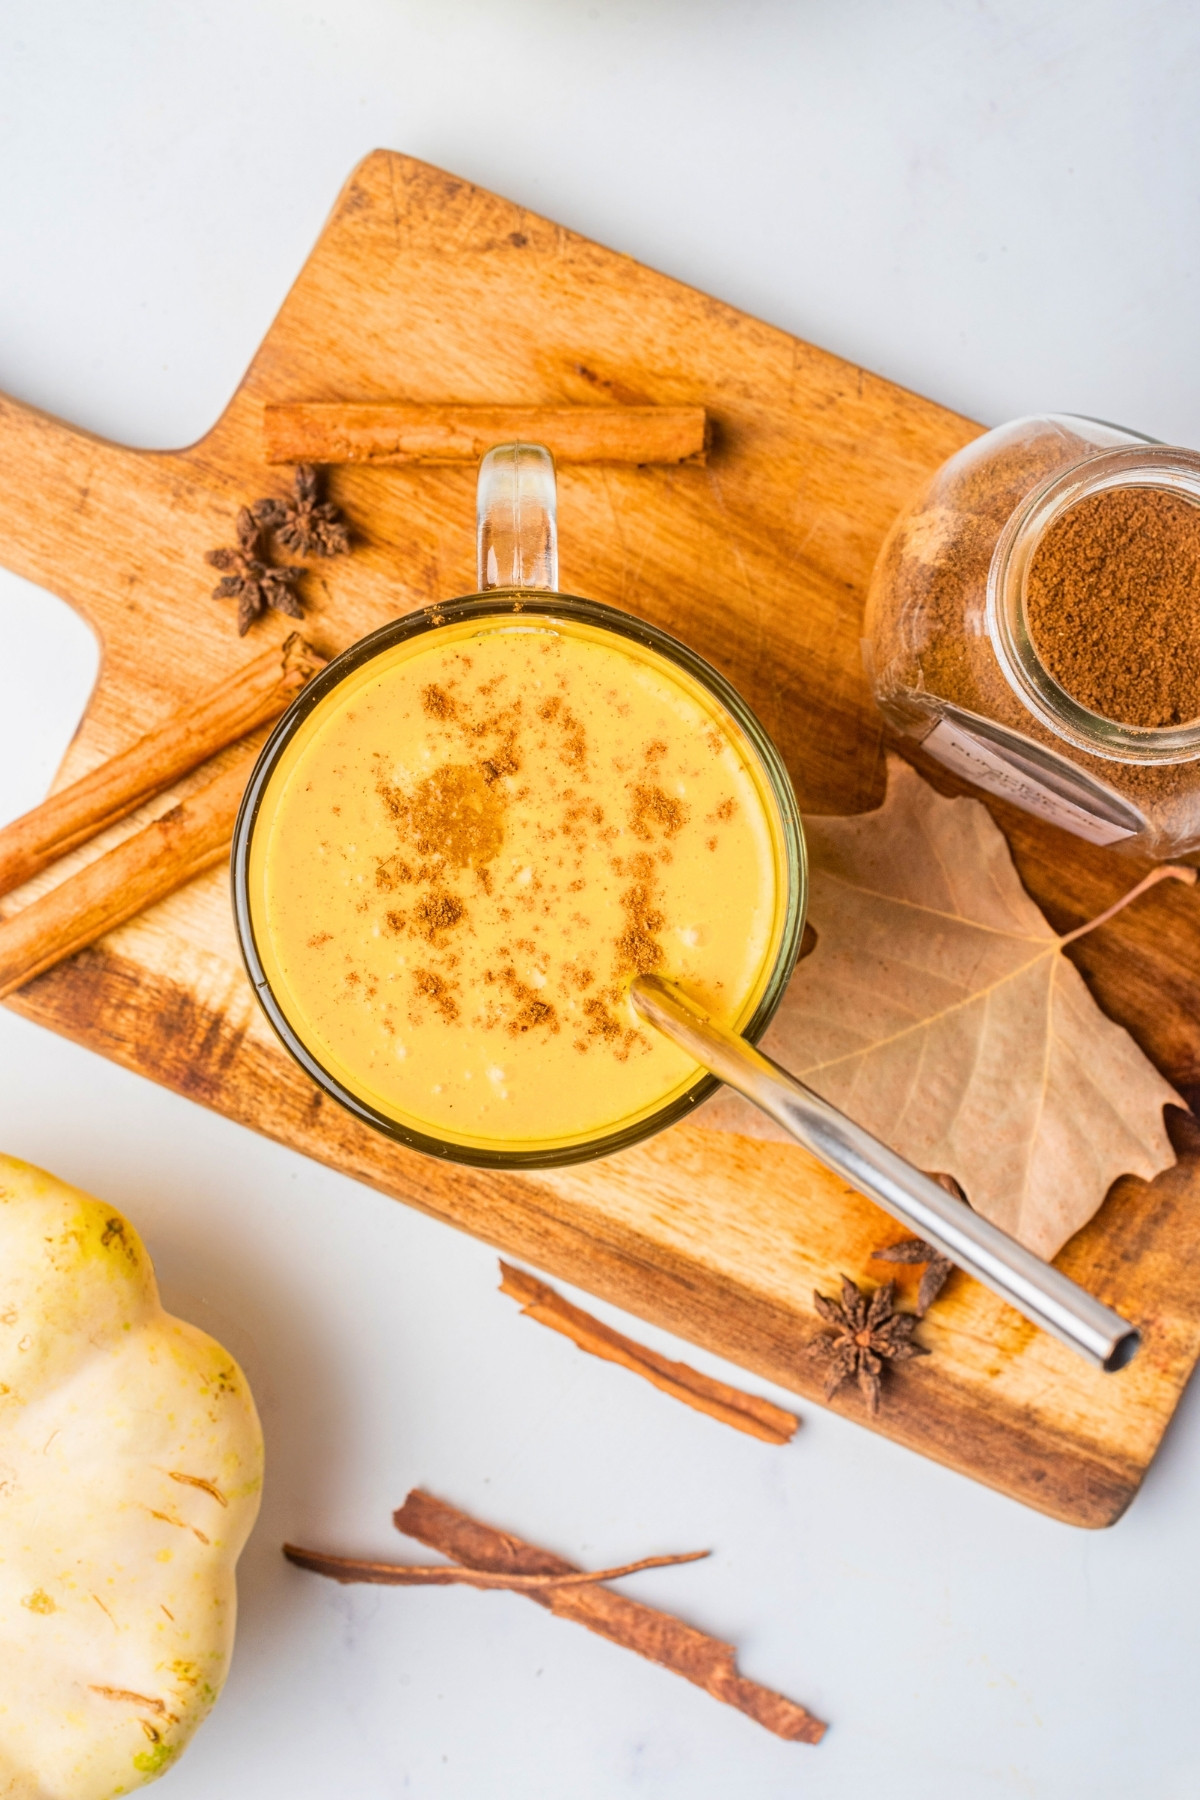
(468, 849)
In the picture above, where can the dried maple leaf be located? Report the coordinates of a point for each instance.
(305, 524)
(938, 1011)
(250, 581)
(868, 1332)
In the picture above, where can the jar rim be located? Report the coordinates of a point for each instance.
(1173, 470)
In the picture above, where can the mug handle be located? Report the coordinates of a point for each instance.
(516, 514)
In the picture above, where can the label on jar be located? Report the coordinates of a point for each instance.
(1030, 781)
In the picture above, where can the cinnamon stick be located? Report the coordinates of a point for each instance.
(145, 868)
(259, 691)
(345, 432)
(658, 1636)
(745, 1412)
(349, 1569)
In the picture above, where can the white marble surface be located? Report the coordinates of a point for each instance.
(992, 202)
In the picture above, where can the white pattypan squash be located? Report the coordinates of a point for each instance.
(130, 1473)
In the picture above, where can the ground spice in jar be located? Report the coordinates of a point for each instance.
(929, 587)
(1112, 604)
(933, 658)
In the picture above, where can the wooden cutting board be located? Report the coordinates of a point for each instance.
(424, 288)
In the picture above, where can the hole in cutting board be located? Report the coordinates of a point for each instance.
(49, 660)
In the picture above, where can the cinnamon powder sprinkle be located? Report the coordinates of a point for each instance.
(456, 815)
(602, 1023)
(437, 703)
(435, 988)
(392, 873)
(533, 1012)
(653, 808)
(502, 762)
(1113, 605)
(638, 949)
(436, 913)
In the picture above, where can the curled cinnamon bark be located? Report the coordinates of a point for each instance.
(259, 691)
(745, 1412)
(146, 867)
(658, 1636)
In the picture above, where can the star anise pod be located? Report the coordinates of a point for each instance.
(868, 1333)
(305, 524)
(253, 583)
(916, 1250)
(938, 1270)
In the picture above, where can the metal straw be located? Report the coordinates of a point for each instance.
(1048, 1298)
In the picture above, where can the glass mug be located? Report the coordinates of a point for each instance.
(473, 827)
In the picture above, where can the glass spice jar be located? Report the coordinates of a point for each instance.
(1034, 623)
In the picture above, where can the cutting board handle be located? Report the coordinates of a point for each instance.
(59, 485)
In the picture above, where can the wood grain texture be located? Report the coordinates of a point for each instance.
(426, 289)
(324, 432)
